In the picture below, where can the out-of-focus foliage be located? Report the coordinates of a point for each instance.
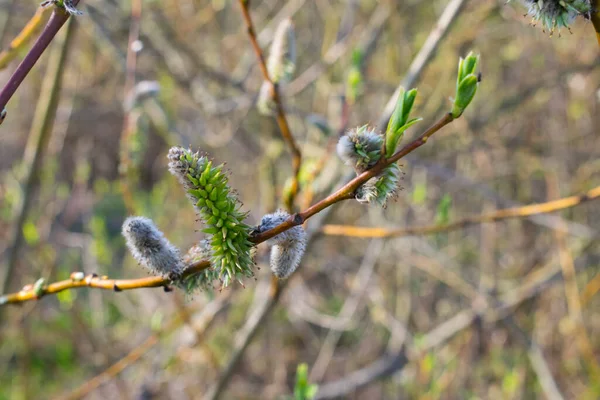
(529, 136)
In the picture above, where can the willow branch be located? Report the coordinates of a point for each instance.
(57, 20)
(275, 95)
(344, 193)
(347, 191)
(508, 213)
(100, 282)
(30, 29)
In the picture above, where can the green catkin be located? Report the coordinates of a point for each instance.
(380, 189)
(206, 186)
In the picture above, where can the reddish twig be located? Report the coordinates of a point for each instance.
(57, 20)
(280, 113)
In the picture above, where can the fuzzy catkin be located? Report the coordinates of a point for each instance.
(217, 205)
(360, 148)
(287, 247)
(380, 189)
(557, 13)
(150, 248)
(203, 280)
(281, 63)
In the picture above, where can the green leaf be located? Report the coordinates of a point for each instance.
(399, 120)
(464, 95)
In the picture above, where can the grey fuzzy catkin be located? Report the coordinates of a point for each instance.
(281, 63)
(150, 248)
(287, 247)
(360, 148)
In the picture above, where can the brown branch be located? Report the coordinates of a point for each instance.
(344, 193)
(347, 191)
(57, 20)
(508, 213)
(280, 113)
(94, 281)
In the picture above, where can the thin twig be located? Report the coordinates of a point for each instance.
(280, 113)
(41, 130)
(245, 335)
(207, 317)
(100, 282)
(30, 29)
(347, 191)
(508, 213)
(359, 287)
(57, 20)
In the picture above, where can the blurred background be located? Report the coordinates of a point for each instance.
(483, 312)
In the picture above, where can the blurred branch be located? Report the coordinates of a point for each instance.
(57, 20)
(360, 285)
(245, 335)
(590, 290)
(505, 306)
(41, 130)
(572, 293)
(30, 29)
(129, 121)
(517, 212)
(537, 361)
(344, 42)
(207, 317)
(418, 64)
(280, 113)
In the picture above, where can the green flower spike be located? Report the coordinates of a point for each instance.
(399, 121)
(466, 84)
(218, 207)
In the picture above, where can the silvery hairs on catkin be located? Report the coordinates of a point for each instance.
(150, 248)
(287, 247)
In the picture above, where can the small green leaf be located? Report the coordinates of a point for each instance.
(399, 121)
(464, 95)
